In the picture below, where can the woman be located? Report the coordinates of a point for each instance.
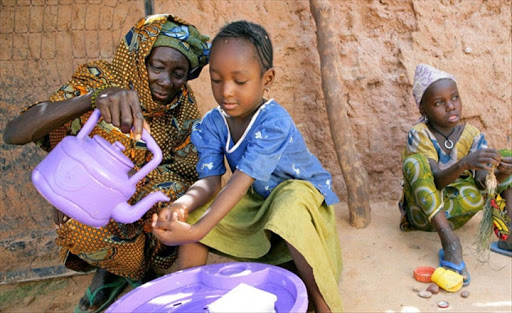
(143, 87)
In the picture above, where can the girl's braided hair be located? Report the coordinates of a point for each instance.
(255, 34)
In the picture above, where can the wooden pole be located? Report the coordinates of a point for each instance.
(353, 170)
(149, 7)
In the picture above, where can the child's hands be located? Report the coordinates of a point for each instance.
(170, 228)
(505, 166)
(482, 159)
(166, 213)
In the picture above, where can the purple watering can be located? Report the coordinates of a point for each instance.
(87, 178)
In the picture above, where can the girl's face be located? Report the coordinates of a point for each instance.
(441, 104)
(235, 73)
(167, 73)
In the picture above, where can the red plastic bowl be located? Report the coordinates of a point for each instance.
(423, 273)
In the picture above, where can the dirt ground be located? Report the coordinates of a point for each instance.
(377, 275)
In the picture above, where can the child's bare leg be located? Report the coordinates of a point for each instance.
(192, 255)
(507, 195)
(306, 273)
(449, 241)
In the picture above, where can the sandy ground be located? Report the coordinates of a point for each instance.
(377, 277)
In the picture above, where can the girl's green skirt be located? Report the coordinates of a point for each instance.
(257, 229)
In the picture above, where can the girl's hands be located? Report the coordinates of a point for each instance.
(170, 226)
(165, 214)
(121, 108)
(504, 168)
(482, 159)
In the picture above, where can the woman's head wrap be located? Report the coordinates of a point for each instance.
(187, 40)
(425, 76)
(128, 67)
(130, 60)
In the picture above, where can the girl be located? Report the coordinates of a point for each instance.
(445, 163)
(277, 205)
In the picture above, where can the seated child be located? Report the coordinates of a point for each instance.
(445, 163)
(277, 205)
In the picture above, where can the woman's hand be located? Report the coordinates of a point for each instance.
(482, 159)
(59, 218)
(121, 108)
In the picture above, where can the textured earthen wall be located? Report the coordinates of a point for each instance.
(379, 43)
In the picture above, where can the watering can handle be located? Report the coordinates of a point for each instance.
(89, 125)
(150, 142)
(151, 165)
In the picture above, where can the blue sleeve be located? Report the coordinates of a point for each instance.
(269, 140)
(207, 139)
(479, 143)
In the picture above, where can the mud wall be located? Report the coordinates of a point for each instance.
(379, 44)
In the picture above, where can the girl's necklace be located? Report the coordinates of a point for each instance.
(448, 144)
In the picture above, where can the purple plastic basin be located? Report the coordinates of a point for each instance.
(192, 290)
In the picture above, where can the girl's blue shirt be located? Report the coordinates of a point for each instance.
(271, 150)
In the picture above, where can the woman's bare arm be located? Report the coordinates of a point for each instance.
(118, 106)
(44, 117)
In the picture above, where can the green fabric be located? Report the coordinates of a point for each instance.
(422, 141)
(296, 212)
(506, 183)
(187, 40)
(421, 200)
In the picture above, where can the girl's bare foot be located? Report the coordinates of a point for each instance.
(453, 254)
(452, 249)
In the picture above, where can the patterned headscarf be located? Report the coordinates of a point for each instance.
(128, 68)
(187, 40)
(131, 56)
(425, 76)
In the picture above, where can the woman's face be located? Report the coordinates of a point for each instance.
(167, 73)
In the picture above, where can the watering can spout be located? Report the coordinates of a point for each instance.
(125, 213)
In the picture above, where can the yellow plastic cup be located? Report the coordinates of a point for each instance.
(448, 280)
